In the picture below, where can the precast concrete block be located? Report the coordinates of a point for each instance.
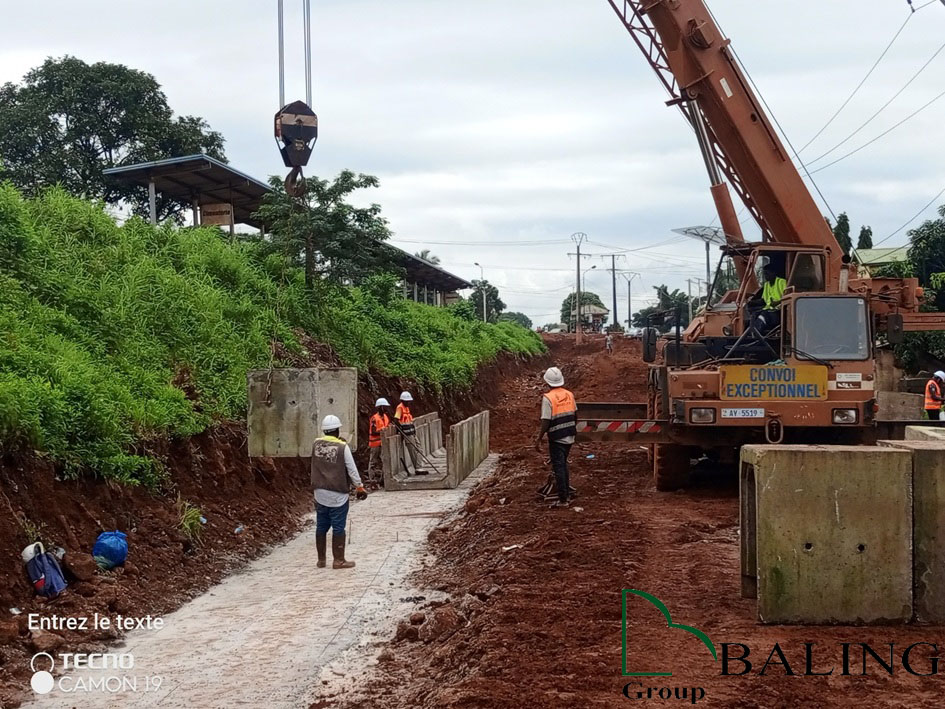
(924, 433)
(928, 526)
(827, 533)
(899, 406)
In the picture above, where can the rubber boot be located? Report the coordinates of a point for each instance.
(338, 553)
(320, 546)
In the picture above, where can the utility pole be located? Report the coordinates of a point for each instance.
(578, 238)
(689, 291)
(613, 277)
(628, 276)
(482, 286)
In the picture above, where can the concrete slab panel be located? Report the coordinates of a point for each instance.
(832, 528)
(928, 531)
(899, 406)
(924, 433)
(286, 407)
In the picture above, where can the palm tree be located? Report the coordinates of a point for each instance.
(428, 257)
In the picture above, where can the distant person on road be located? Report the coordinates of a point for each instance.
(559, 421)
(770, 294)
(379, 421)
(935, 396)
(407, 429)
(333, 468)
(609, 343)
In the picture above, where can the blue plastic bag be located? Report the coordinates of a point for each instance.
(111, 549)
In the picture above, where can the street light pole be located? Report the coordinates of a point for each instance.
(578, 238)
(482, 287)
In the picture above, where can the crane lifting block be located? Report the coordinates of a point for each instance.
(826, 533)
(286, 407)
(928, 536)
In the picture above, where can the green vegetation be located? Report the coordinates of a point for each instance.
(190, 523)
(113, 336)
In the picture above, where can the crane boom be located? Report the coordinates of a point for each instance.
(696, 65)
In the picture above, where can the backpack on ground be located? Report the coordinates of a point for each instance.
(45, 573)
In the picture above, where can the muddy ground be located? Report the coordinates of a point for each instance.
(249, 506)
(535, 614)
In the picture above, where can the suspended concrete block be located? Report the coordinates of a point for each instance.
(286, 408)
(826, 533)
(928, 530)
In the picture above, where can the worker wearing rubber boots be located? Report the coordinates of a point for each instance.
(379, 421)
(559, 421)
(406, 427)
(333, 468)
(935, 395)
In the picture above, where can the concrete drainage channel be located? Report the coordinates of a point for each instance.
(302, 630)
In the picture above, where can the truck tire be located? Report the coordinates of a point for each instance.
(671, 463)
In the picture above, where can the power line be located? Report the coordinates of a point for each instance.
(881, 135)
(917, 215)
(883, 107)
(860, 85)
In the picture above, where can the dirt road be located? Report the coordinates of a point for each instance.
(535, 613)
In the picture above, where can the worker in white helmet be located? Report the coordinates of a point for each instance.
(379, 421)
(406, 427)
(935, 395)
(559, 421)
(333, 468)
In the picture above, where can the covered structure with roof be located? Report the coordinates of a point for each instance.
(217, 193)
(223, 196)
(882, 257)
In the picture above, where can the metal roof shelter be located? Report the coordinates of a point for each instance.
(198, 180)
(201, 180)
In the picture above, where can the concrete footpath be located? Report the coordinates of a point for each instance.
(263, 636)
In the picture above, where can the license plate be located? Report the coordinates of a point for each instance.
(743, 413)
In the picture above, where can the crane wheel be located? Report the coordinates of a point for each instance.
(671, 464)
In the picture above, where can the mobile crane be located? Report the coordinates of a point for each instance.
(724, 382)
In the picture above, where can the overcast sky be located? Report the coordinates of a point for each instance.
(502, 121)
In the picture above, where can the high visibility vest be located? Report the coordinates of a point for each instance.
(402, 414)
(773, 292)
(328, 464)
(932, 389)
(563, 414)
(378, 423)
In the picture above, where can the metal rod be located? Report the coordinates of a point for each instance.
(281, 53)
(307, 6)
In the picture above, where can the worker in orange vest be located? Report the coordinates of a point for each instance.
(559, 421)
(379, 421)
(406, 427)
(935, 395)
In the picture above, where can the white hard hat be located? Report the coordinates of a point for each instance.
(382, 402)
(406, 396)
(331, 423)
(553, 377)
(940, 374)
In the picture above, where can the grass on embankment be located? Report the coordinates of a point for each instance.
(104, 326)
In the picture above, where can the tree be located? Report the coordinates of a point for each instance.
(331, 239)
(865, 241)
(517, 318)
(587, 298)
(428, 257)
(841, 232)
(666, 306)
(68, 121)
(494, 304)
(465, 310)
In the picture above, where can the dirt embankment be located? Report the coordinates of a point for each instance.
(534, 616)
(248, 506)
